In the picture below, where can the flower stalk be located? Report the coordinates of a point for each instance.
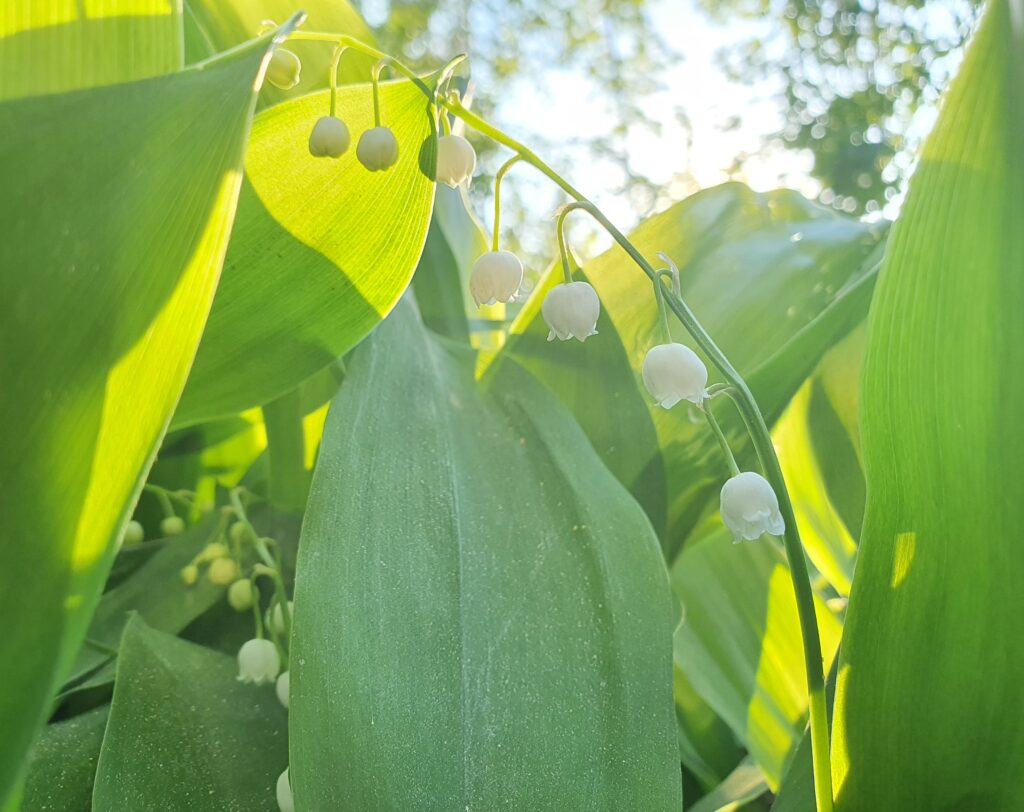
(737, 389)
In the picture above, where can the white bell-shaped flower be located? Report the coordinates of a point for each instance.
(674, 372)
(284, 70)
(571, 311)
(258, 662)
(377, 149)
(283, 686)
(496, 278)
(456, 161)
(285, 801)
(750, 507)
(329, 138)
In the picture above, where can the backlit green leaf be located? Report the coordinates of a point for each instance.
(739, 642)
(106, 285)
(320, 252)
(50, 46)
(929, 703)
(482, 614)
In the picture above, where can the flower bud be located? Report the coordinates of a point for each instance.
(275, 617)
(238, 532)
(240, 595)
(750, 507)
(285, 801)
(377, 149)
(456, 161)
(212, 551)
(133, 533)
(172, 526)
(673, 372)
(284, 70)
(222, 571)
(283, 686)
(258, 662)
(189, 574)
(329, 138)
(571, 311)
(496, 277)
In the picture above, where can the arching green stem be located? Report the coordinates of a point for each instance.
(335, 59)
(375, 81)
(659, 294)
(730, 460)
(497, 193)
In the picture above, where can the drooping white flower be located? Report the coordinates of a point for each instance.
(172, 526)
(275, 617)
(329, 138)
(284, 70)
(240, 595)
(674, 372)
(285, 801)
(284, 684)
(496, 277)
(750, 507)
(258, 662)
(134, 533)
(377, 149)
(456, 161)
(571, 311)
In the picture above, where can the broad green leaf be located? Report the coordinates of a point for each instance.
(62, 764)
(743, 784)
(156, 592)
(739, 642)
(217, 25)
(184, 731)
(477, 600)
(929, 702)
(775, 279)
(707, 747)
(321, 249)
(51, 46)
(107, 285)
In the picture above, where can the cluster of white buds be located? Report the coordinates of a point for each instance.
(285, 800)
(571, 310)
(284, 70)
(258, 662)
(496, 277)
(750, 507)
(456, 161)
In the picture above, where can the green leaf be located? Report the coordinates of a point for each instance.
(62, 764)
(775, 279)
(320, 252)
(51, 46)
(745, 783)
(157, 593)
(217, 25)
(107, 285)
(739, 642)
(183, 727)
(477, 601)
(928, 702)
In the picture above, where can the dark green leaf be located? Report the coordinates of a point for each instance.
(62, 764)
